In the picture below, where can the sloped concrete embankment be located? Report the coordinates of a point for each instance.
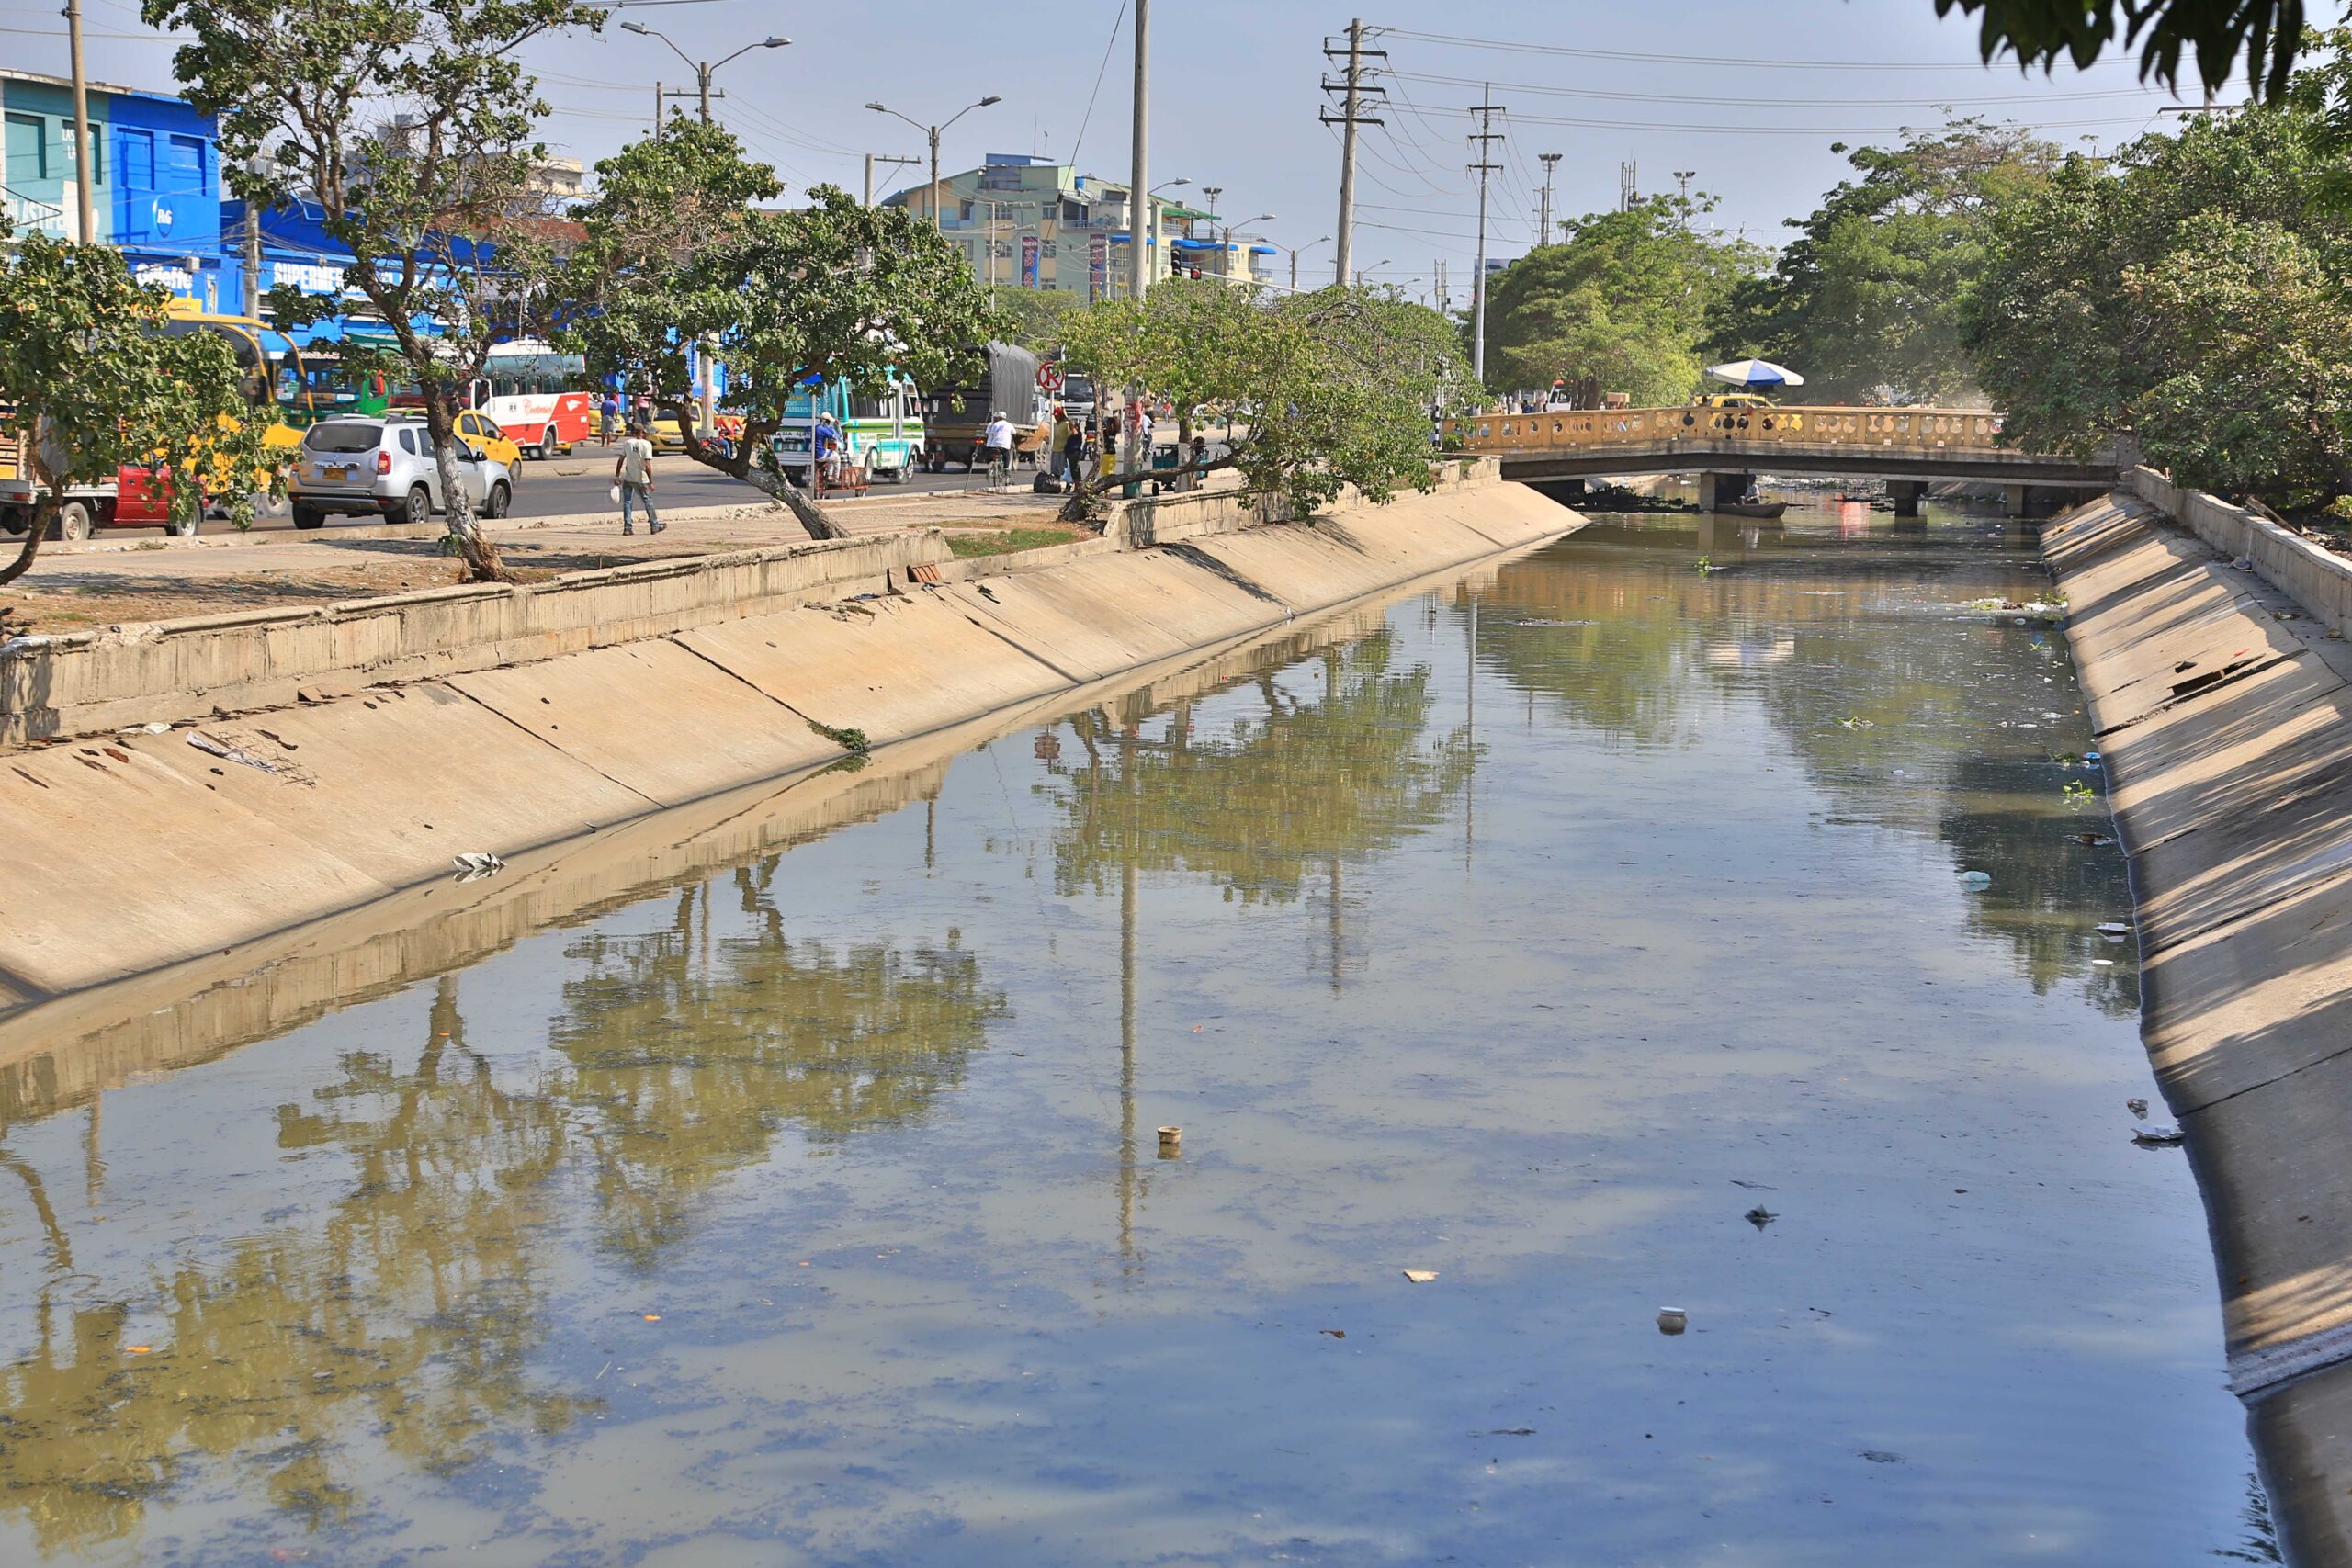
(2221, 695)
(136, 850)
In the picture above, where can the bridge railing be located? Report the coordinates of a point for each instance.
(1914, 429)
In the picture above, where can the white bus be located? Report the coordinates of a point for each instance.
(535, 395)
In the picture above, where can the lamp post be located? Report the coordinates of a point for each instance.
(706, 355)
(1294, 251)
(703, 68)
(1374, 268)
(933, 131)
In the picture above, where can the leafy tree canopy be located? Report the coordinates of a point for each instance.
(410, 123)
(1035, 317)
(1619, 306)
(678, 250)
(92, 381)
(1867, 301)
(2215, 33)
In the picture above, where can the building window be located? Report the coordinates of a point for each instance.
(98, 150)
(28, 151)
(134, 157)
(185, 167)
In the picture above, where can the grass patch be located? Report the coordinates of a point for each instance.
(854, 741)
(1007, 541)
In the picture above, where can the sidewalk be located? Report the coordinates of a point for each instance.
(111, 582)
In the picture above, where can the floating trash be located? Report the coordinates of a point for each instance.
(1977, 881)
(1672, 1320)
(2155, 1137)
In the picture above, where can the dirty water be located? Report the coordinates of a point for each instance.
(1590, 935)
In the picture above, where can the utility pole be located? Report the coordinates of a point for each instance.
(86, 156)
(1551, 162)
(1629, 191)
(1444, 299)
(874, 158)
(658, 95)
(1139, 223)
(253, 259)
(1485, 137)
(1682, 178)
(1353, 88)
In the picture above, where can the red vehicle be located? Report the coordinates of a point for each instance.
(534, 393)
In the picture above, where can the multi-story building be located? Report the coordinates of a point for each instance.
(154, 179)
(1032, 223)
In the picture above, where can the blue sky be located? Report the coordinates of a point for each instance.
(1235, 97)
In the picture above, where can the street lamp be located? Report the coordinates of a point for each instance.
(703, 68)
(933, 133)
(1294, 251)
(1374, 268)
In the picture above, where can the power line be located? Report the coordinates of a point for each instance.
(1935, 102)
(1783, 129)
(1745, 64)
(1108, 45)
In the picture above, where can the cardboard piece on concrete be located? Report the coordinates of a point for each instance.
(84, 897)
(396, 782)
(2249, 1003)
(893, 668)
(653, 717)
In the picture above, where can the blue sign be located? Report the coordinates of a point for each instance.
(163, 215)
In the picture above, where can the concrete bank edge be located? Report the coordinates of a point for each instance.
(2207, 640)
(140, 849)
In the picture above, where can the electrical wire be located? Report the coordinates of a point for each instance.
(1108, 45)
(1937, 102)
(1508, 46)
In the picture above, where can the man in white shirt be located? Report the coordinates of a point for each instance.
(998, 440)
(633, 475)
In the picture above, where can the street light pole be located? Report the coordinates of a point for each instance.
(1294, 258)
(932, 134)
(872, 159)
(1139, 222)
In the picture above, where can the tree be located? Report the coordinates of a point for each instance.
(1620, 306)
(675, 250)
(1868, 300)
(2269, 33)
(2139, 294)
(93, 382)
(432, 204)
(1340, 385)
(1035, 317)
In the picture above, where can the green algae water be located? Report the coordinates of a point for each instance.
(1589, 935)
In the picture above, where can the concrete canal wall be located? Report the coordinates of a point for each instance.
(2222, 696)
(319, 761)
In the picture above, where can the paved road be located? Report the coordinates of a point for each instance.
(546, 492)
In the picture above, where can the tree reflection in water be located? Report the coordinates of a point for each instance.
(404, 1321)
(1280, 795)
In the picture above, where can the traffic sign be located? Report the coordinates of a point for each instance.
(1049, 378)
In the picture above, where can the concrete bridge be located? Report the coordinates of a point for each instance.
(1725, 447)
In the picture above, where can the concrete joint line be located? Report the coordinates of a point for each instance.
(2265, 1083)
(2254, 1373)
(551, 746)
(2244, 671)
(672, 640)
(1025, 653)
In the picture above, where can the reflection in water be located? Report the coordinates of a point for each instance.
(722, 1211)
(691, 1049)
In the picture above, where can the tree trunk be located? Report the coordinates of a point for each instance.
(482, 564)
(44, 514)
(770, 482)
(1079, 507)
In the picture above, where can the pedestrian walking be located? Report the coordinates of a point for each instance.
(611, 413)
(1073, 447)
(633, 478)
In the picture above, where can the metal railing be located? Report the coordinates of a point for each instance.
(1919, 429)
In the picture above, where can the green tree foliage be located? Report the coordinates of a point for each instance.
(2269, 33)
(1035, 317)
(1340, 384)
(92, 381)
(1868, 300)
(677, 249)
(1619, 306)
(2192, 290)
(436, 208)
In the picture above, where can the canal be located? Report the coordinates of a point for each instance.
(1589, 938)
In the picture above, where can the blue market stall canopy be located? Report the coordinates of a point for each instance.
(1756, 373)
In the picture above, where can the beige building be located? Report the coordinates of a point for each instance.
(1032, 222)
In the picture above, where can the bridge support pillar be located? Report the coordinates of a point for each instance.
(2014, 501)
(1906, 495)
(1714, 489)
(1568, 492)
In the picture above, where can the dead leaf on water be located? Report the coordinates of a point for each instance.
(1420, 1276)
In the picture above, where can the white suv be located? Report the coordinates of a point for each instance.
(385, 468)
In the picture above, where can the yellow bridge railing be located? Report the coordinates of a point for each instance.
(1915, 429)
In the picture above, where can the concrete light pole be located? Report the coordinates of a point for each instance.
(85, 155)
(1294, 250)
(931, 132)
(1139, 172)
(702, 68)
(874, 158)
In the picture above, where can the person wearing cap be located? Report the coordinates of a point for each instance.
(825, 454)
(997, 439)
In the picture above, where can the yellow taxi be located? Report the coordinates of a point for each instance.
(483, 432)
(1732, 400)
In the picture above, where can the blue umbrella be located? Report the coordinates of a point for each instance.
(1756, 373)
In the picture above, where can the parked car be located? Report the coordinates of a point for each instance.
(386, 467)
